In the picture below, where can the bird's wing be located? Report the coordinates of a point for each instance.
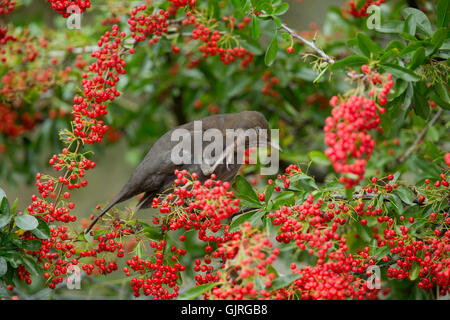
(210, 164)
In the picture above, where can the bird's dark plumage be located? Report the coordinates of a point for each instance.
(155, 174)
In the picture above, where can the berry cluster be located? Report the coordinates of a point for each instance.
(346, 134)
(212, 47)
(347, 129)
(156, 276)
(66, 7)
(362, 11)
(269, 83)
(6, 6)
(14, 125)
(250, 254)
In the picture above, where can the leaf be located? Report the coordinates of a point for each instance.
(319, 157)
(393, 26)
(26, 221)
(367, 46)
(363, 231)
(153, 232)
(42, 231)
(441, 96)
(285, 198)
(418, 58)
(421, 107)
(281, 9)
(246, 191)
(2, 194)
(421, 19)
(256, 28)
(3, 266)
(252, 217)
(284, 281)
(319, 77)
(414, 272)
(439, 36)
(139, 250)
(400, 72)
(349, 61)
(396, 202)
(410, 25)
(406, 195)
(5, 212)
(443, 13)
(269, 191)
(197, 291)
(31, 265)
(14, 258)
(272, 50)
(14, 205)
(31, 245)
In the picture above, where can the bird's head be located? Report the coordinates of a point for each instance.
(255, 121)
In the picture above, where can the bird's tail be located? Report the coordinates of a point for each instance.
(105, 210)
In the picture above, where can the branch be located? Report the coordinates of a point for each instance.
(310, 44)
(419, 138)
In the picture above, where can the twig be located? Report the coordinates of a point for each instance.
(310, 44)
(61, 187)
(419, 138)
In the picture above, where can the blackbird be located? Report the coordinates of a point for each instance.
(155, 174)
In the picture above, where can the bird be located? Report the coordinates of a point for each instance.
(155, 175)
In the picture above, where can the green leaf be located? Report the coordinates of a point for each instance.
(421, 107)
(349, 62)
(31, 245)
(414, 272)
(400, 72)
(139, 250)
(246, 191)
(42, 231)
(31, 265)
(396, 202)
(363, 231)
(418, 58)
(285, 198)
(14, 258)
(256, 28)
(406, 195)
(422, 20)
(5, 212)
(443, 104)
(26, 222)
(252, 217)
(3, 266)
(153, 232)
(367, 46)
(441, 96)
(197, 291)
(281, 9)
(410, 25)
(319, 157)
(14, 205)
(443, 13)
(272, 50)
(393, 26)
(395, 44)
(269, 191)
(439, 36)
(321, 74)
(284, 281)
(2, 194)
